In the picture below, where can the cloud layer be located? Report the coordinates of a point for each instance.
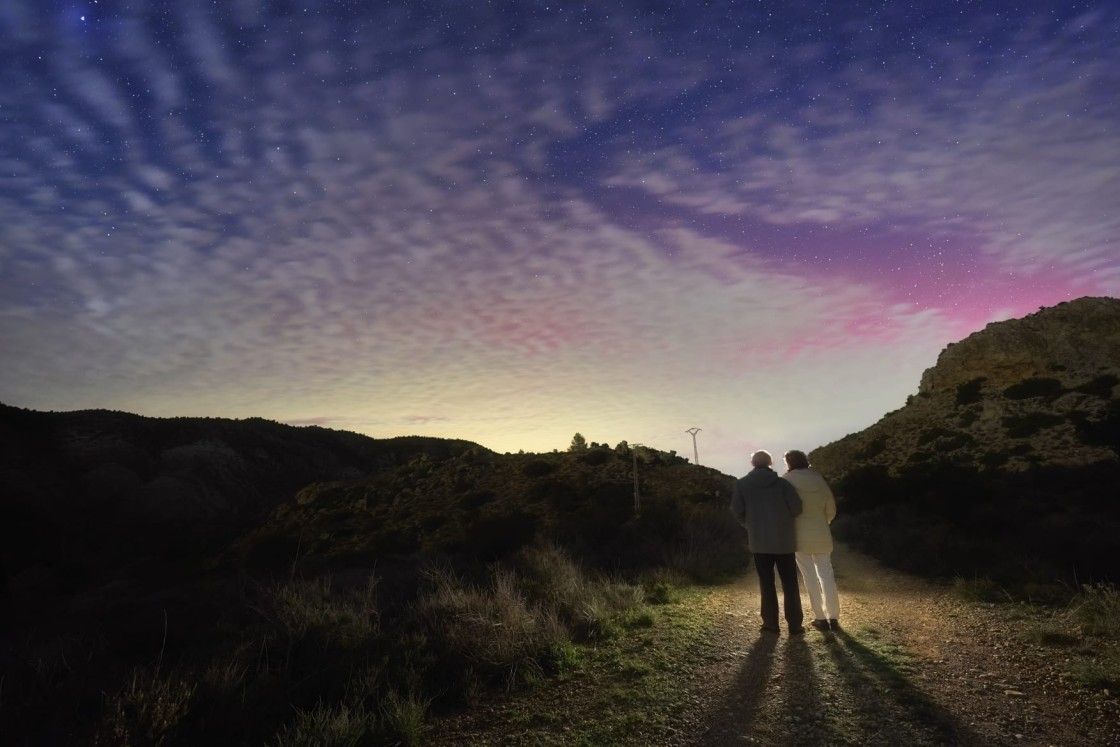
(511, 225)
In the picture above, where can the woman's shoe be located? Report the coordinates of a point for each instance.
(822, 625)
(834, 624)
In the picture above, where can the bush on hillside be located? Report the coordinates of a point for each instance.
(1101, 386)
(1039, 527)
(1025, 426)
(970, 392)
(1035, 387)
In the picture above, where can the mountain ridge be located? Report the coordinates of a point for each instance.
(1041, 390)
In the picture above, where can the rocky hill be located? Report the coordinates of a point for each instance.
(1005, 463)
(1036, 391)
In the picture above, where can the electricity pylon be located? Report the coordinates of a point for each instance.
(695, 454)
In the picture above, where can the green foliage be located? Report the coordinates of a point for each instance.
(1104, 431)
(405, 717)
(597, 456)
(146, 710)
(1098, 674)
(1097, 609)
(970, 392)
(476, 499)
(1023, 531)
(579, 443)
(994, 459)
(538, 468)
(873, 449)
(945, 439)
(979, 589)
(328, 725)
(1101, 386)
(1035, 387)
(968, 417)
(1025, 426)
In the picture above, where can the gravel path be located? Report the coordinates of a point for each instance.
(913, 665)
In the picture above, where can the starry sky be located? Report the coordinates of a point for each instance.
(512, 221)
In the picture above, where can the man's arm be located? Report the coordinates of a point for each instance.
(738, 506)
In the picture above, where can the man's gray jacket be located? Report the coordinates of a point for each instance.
(765, 504)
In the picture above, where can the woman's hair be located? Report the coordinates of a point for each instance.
(797, 460)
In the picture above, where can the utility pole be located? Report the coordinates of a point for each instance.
(695, 454)
(637, 492)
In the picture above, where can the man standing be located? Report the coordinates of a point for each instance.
(766, 504)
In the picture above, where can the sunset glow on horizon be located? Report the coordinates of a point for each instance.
(509, 222)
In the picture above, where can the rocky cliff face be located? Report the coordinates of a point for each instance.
(1041, 390)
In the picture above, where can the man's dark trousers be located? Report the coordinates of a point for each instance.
(765, 563)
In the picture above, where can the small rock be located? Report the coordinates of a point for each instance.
(1014, 693)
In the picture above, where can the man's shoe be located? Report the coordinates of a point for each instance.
(797, 631)
(834, 624)
(822, 625)
(769, 629)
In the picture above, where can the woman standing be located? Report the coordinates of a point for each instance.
(814, 540)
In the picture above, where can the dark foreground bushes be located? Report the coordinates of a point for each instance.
(318, 661)
(1029, 530)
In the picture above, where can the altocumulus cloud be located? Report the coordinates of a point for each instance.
(511, 227)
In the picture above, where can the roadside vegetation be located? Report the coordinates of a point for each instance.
(1079, 628)
(362, 610)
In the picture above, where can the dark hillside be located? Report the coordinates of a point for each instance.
(209, 581)
(84, 492)
(485, 506)
(1005, 465)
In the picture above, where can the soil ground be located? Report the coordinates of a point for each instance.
(913, 664)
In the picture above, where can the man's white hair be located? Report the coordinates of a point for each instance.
(761, 459)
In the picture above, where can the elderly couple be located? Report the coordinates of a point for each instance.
(787, 522)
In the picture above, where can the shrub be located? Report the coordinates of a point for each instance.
(475, 499)
(1034, 387)
(587, 605)
(1101, 386)
(492, 628)
(1102, 432)
(597, 456)
(946, 440)
(993, 459)
(1025, 426)
(970, 391)
(146, 710)
(336, 725)
(873, 449)
(303, 607)
(405, 717)
(1097, 608)
(979, 589)
(538, 468)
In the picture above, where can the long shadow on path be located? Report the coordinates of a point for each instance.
(739, 709)
(889, 709)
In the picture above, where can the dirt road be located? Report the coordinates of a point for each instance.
(913, 665)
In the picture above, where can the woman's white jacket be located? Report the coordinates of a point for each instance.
(818, 511)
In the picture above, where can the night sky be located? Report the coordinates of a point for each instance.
(512, 221)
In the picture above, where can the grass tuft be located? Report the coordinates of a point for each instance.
(1097, 609)
(145, 710)
(328, 725)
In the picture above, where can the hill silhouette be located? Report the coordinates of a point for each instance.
(87, 492)
(1004, 465)
(165, 576)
